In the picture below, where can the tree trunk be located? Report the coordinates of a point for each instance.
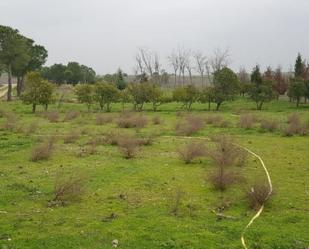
(202, 79)
(175, 79)
(209, 105)
(33, 108)
(218, 106)
(9, 94)
(18, 86)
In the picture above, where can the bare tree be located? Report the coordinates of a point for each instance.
(188, 64)
(201, 62)
(174, 62)
(243, 76)
(220, 59)
(182, 57)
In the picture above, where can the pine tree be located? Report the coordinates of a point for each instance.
(299, 66)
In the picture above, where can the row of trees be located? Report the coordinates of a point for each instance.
(72, 73)
(18, 56)
(226, 85)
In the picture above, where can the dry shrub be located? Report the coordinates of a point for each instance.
(294, 118)
(53, 117)
(128, 145)
(68, 189)
(192, 151)
(146, 141)
(222, 178)
(31, 128)
(189, 126)
(295, 126)
(72, 137)
(90, 149)
(217, 121)
(129, 120)
(156, 120)
(176, 201)
(247, 121)
(269, 125)
(112, 138)
(102, 119)
(43, 151)
(225, 154)
(71, 115)
(213, 119)
(10, 123)
(258, 195)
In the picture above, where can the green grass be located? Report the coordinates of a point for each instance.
(148, 182)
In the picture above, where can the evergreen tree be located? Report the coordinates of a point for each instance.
(299, 66)
(119, 80)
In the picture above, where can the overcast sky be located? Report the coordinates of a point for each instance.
(105, 34)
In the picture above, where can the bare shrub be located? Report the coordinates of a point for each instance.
(146, 141)
(294, 118)
(258, 195)
(213, 119)
(129, 120)
(68, 189)
(72, 137)
(43, 151)
(189, 126)
(176, 201)
(102, 119)
(295, 126)
(222, 178)
(10, 123)
(53, 117)
(269, 125)
(225, 154)
(89, 149)
(112, 138)
(156, 120)
(247, 121)
(71, 115)
(128, 145)
(192, 151)
(31, 128)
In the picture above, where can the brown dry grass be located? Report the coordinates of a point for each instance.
(102, 119)
(128, 146)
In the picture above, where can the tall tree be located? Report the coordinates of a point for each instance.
(226, 85)
(261, 91)
(13, 50)
(299, 66)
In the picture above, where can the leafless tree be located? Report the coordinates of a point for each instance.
(220, 59)
(182, 57)
(174, 62)
(147, 62)
(201, 62)
(243, 76)
(188, 64)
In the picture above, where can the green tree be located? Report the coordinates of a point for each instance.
(226, 86)
(105, 94)
(119, 80)
(156, 96)
(55, 73)
(37, 57)
(187, 95)
(261, 91)
(296, 90)
(84, 94)
(37, 91)
(207, 96)
(140, 94)
(13, 51)
(299, 66)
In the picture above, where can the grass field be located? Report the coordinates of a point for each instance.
(131, 199)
